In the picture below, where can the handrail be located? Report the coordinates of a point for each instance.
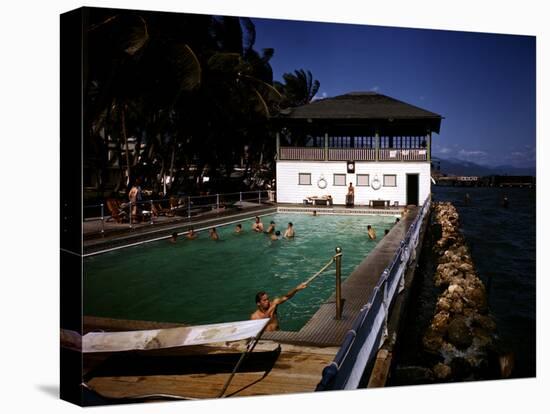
(183, 206)
(337, 258)
(369, 329)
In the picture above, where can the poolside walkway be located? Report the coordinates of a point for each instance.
(120, 234)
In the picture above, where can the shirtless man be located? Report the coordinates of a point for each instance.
(214, 234)
(174, 237)
(191, 235)
(289, 232)
(238, 229)
(258, 225)
(371, 232)
(350, 196)
(276, 235)
(268, 309)
(271, 228)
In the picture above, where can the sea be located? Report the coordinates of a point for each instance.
(502, 241)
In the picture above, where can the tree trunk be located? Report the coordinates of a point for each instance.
(125, 137)
(172, 165)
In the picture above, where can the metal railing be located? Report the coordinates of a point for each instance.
(352, 154)
(403, 154)
(337, 258)
(369, 331)
(132, 214)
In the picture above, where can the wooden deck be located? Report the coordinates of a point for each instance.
(198, 372)
(201, 372)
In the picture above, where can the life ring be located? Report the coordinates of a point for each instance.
(375, 184)
(322, 183)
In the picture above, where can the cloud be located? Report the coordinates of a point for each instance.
(375, 88)
(317, 97)
(475, 153)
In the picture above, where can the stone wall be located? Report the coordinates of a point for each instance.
(462, 334)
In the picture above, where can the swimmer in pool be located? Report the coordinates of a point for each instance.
(238, 229)
(174, 237)
(371, 232)
(275, 236)
(268, 309)
(289, 232)
(191, 235)
(271, 227)
(258, 225)
(214, 234)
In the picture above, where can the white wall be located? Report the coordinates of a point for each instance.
(288, 190)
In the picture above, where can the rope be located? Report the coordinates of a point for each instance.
(307, 282)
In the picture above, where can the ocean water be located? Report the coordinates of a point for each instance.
(502, 242)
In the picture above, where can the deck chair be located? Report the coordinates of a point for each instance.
(116, 211)
(176, 205)
(158, 210)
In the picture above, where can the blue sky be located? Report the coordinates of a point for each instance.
(483, 84)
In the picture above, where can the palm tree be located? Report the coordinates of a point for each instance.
(299, 88)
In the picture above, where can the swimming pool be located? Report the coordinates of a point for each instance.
(204, 281)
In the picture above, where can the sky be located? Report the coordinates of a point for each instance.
(483, 84)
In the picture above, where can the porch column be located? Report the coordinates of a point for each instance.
(278, 145)
(429, 142)
(326, 146)
(377, 143)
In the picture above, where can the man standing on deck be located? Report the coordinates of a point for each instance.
(268, 309)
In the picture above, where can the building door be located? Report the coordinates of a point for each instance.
(412, 189)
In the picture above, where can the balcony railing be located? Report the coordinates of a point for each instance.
(302, 153)
(403, 155)
(351, 154)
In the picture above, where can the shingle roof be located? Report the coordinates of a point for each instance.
(359, 105)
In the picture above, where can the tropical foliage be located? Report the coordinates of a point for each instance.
(178, 96)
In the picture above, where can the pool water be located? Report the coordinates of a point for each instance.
(204, 281)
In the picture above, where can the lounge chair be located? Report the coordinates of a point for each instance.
(176, 205)
(158, 210)
(116, 210)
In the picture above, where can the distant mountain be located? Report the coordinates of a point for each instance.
(454, 166)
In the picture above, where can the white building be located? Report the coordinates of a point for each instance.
(379, 144)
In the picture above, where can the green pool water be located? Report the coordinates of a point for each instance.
(204, 281)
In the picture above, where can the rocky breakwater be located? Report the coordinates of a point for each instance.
(462, 334)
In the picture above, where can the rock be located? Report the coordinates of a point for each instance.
(432, 340)
(440, 322)
(441, 371)
(485, 322)
(477, 296)
(454, 287)
(457, 306)
(482, 338)
(466, 267)
(458, 333)
(443, 304)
